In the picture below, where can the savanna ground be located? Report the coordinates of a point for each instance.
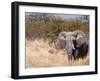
(41, 30)
(40, 54)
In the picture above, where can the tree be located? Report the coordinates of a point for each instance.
(85, 18)
(37, 16)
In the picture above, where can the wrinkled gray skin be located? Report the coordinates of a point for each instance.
(75, 43)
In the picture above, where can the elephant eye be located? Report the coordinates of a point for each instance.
(64, 36)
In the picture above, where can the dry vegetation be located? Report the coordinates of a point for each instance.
(40, 54)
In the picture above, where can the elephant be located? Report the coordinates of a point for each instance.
(75, 43)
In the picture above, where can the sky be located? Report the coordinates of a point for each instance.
(69, 16)
(64, 16)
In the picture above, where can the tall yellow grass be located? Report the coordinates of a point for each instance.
(40, 54)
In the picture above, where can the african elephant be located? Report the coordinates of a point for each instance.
(75, 43)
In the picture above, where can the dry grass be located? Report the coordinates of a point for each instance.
(40, 54)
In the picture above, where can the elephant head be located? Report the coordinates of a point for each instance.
(65, 41)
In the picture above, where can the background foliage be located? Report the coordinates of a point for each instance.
(47, 26)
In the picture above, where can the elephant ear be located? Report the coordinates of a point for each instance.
(79, 38)
(79, 42)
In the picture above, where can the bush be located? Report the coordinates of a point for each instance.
(37, 29)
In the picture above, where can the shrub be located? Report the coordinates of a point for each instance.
(37, 29)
